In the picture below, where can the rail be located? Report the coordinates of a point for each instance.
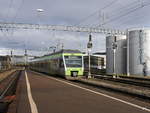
(10, 84)
(143, 82)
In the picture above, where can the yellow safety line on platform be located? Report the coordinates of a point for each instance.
(31, 101)
(102, 94)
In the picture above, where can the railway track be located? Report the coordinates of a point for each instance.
(7, 90)
(141, 82)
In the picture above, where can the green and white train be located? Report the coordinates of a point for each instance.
(66, 63)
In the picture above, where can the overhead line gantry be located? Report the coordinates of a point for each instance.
(8, 26)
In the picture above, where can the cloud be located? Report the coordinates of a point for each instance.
(65, 12)
(42, 40)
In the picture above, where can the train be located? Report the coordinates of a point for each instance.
(66, 63)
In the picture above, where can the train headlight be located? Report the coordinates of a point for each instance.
(74, 73)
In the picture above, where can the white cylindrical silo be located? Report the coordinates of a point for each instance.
(139, 52)
(116, 63)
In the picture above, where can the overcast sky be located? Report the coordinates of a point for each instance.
(119, 14)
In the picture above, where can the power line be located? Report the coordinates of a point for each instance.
(124, 8)
(8, 11)
(127, 13)
(104, 19)
(9, 8)
(121, 11)
(138, 19)
(18, 10)
(108, 5)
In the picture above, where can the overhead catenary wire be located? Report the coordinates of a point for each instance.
(123, 11)
(127, 13)
(91, 15)
(18, 10)
(13, 18)
(120, 11)
(124, 8)
(8, 32)
(140, 17)
(127, 21)
(9, 8)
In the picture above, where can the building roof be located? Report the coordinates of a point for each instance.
(100, 53)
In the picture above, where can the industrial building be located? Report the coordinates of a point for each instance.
(5, 63)
(19, 60)
(129, 55)
(116, 52)
(139, 52)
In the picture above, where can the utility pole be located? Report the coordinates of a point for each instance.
(62, 46)
(89, 47)
(11, 55)
(114, 47)
(39, 12)
(25, 55)
(12, 58)
(128, 53)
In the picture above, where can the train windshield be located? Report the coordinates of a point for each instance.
(73, 61)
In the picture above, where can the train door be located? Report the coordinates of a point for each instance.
(61, 66)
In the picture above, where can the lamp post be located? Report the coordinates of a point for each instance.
(26, 58)
(39, 11)
(89, 47)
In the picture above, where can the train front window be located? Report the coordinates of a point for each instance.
(73, 61)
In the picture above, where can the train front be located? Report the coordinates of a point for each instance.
(73, 66)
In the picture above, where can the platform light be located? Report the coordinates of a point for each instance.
(40, 10)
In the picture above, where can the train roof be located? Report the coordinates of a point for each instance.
(65, 51)
(58, 52)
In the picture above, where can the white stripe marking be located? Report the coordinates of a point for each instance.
(98, 93)
(31, 101)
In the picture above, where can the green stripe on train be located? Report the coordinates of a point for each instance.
(70, 54)
(58, 55)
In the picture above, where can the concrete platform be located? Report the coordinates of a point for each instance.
(53, 95)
